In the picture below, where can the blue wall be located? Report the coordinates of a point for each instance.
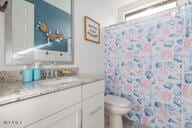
(54, 18)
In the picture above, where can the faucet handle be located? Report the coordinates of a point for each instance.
(66, 72)
(47, 74)
(56, 73)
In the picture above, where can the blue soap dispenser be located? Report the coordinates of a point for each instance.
(37, 71)
(27, 74)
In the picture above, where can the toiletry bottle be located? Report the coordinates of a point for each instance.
(27, 74)
(37, 72)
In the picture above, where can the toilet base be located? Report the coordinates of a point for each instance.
(115, 121)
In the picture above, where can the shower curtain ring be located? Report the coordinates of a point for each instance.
(179, 8)
(185, 5)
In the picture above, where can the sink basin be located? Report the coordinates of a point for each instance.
(59, 81)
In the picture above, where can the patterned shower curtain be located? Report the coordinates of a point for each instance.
(149, 62)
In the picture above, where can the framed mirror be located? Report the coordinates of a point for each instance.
(39, 30)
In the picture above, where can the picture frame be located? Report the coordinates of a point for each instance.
(92, 30)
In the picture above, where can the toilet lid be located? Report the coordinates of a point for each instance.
(117, 101)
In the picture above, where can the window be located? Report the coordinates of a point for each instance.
(170, 4)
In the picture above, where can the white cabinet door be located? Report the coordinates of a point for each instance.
(97, 124)
(35, 109)
(68, 118)
(93, 112)
(92, 89)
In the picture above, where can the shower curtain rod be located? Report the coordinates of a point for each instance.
(176, 8)
(113, 25)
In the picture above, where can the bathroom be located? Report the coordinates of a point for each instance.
(151, 77)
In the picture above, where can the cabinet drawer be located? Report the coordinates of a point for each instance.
(93, 111)
(38, 108)
(93, 89)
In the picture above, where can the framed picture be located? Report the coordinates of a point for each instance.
(92, 30)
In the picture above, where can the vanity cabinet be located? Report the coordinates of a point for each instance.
(77, 107)
(93, 105)
(54, 110)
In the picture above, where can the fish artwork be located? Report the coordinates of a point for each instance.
(57, 37)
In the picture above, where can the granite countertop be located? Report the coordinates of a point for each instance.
(16, 91)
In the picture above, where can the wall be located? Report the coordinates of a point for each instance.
(64, 6)
(2, 38)
(88, 56)
(182, 2)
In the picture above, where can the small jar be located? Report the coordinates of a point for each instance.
(37, 72)
(27, 74)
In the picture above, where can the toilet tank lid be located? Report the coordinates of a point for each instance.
(117, 101)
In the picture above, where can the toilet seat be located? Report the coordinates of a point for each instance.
(116, 101)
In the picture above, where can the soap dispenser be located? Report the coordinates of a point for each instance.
(37, 71)
(27, 74)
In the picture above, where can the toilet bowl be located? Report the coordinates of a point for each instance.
(116, 108)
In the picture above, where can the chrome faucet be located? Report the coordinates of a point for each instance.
(52, 73)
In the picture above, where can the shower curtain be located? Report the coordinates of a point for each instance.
(149, 62)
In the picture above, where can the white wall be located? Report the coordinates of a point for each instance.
(61, 4)
(89, 57)
(2, 38)
(2, 44)
(182, 2)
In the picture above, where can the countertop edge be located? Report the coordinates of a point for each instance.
(16, 98)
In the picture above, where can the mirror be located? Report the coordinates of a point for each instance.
(39, 30)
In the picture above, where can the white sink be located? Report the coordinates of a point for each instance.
(59, 81)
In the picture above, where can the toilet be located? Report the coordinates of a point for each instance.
(116, 107)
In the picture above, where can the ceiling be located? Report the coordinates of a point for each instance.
(119, 3)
